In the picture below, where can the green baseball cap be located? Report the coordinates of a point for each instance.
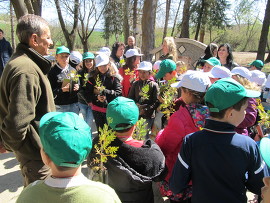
(257, 63)
(62, 49)
(265, 149)
(65, 137)
(165, 66)
(213, 61)
(226, 92)
(122, 111)
(88, 55)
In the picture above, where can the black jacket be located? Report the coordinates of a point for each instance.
(131, 173)
(112, 90)
(56, 77)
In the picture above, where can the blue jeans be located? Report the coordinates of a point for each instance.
(87, 114)
(68, 108)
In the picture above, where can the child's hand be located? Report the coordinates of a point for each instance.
(101, 98)
(76, 87)
(66, 87)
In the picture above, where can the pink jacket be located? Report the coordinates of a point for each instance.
(170, 139)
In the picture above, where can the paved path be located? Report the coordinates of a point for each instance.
(10, 178)
(11, 183)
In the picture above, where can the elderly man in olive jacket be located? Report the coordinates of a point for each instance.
(26, 95)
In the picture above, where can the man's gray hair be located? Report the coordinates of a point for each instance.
(30, 24)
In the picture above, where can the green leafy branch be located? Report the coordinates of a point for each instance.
(85, 78)
(73, 76)
(99, 84)
(103, 148)
(168, 97)
(264, 116)
(144, 92)
(141, 129)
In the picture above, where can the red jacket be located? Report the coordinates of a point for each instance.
(170, 139)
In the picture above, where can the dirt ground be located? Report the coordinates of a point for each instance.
(244, 58)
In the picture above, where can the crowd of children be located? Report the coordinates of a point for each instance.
(197, 143)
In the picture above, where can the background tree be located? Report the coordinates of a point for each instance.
(148, 28)
(12, 27)
(113, 20)
(72, 9)
(23, 7)
(264, 33)
(126, 20)
(168, 7)
(185, 20)
(208, 14)
(88, 13)
(176, 17)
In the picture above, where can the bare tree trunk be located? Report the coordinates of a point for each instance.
(175, 18)
(267, 60)
(168, 7)
(19, 8)
(37, 6)
(202, 34)
(185, 20)
(135, 4)
(148, 28)
(126, 17)
(264, 33)
(199, 21)
(12, 27)
(70, 37)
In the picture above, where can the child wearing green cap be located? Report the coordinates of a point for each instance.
(221, 163)
(66, 142)
(88, 65)
(64, 83)
(138, 162)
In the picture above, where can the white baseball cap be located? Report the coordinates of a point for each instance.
(219, 72)
(75, 57)
(194, 80)
(258, 77)
(156, 65)
(145, 65)
(104, 50)
(242, 71)
(132, 52)
(101, 60)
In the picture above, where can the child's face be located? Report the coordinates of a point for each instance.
(168, 76)
(266, 190)
(88, 63)
(207, 67)
(236, 117)
(62, 59)
(103, 69)
(144, 75)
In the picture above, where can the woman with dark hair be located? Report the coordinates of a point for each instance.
(88, 65)
(225, 56)
(118, 49)
(101, 88)
(210, 51)
(128, 71)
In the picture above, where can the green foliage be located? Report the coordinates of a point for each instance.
(141, 129)
(144, 93)
(264, 116)
(113, 19)
(103, 148)
(99, 84)
(73, 76)
(168, 97)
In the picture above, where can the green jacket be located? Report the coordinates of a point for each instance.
(25, 96)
